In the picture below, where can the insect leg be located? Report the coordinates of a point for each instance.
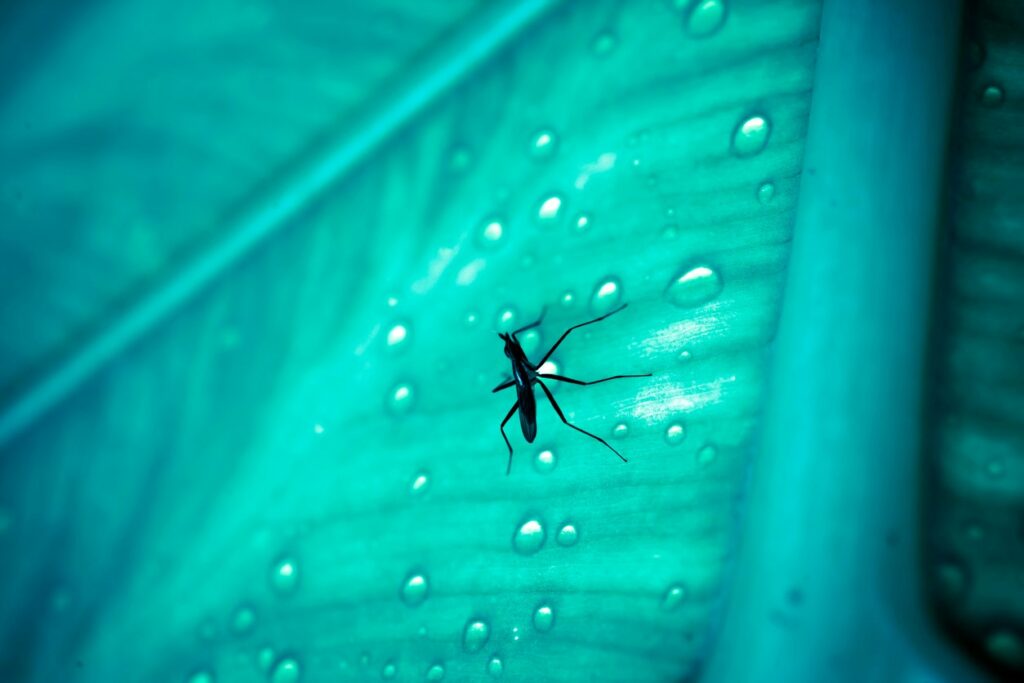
(503, 386)
(570, 380)
(574, 327)
(504, 422)
(551, 399)
(532, 325)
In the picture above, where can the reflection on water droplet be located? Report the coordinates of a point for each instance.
(543, 143)
(529, 537)
(606, 296)
(567, 535)
(705, 17)
(494, 667)
(673, 597)
(549, 210)
(471, 319)
(568, 298)
(685, 356)
(284, 576)
(435, 672)
(751, 136)
(696, 285)
(675, 434)
(992, 95)
(475, 635)
(707, 454)
(397, 336)
(389, 671)
(286, 671)
(766, 192)
(544, 618)
(419, 483)
(243, 620)
(620, 431)
(414, 589)
(201, 677)
(545, 461)
(490, 233)
(582, 223)
(603, 44)
(506, 321)
(400, 399)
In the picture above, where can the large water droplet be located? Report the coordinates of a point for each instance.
(284, 576)
(475, 635)
(201, 677)
(414, 589)
(766, 192)
(704, 17)
(401, 398)
(606, 296)
(546, 461)
(419, 483)
(550, 209)
(992, 96)
(695, 285)
(620, 431)
(543, 143)
(673, 597)
(567, 535)
(544, 618)
(675, 434)
(389, 671)
(707, 454)
(435, 672)
(529, 537)
(286, 671)
(751, 136)
(243, 620)
(398, 336)
(494, 667)
(490, 234)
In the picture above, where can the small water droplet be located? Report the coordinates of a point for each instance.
(401, 398)
(318, 429)
(284, 576)
(705, 17)
(695, 285)
(530, 341)
(751, 136)
(951, 580)
(506, 319)
(550, 209)
(364, 659)
(620, 431)
(544, 618)
(567, 535)
(545, 461)
(490, 234)
(471, 319)
(494, 667)
(685, 356)
(243, 620)
(675, 434)
(1006, 646)
(996, 468)
(670, 231)
(992, 95)
(543, 143)
(606, 296)
(603, 44)
(265, 658)
(389, 671)
(529, 537)
(582, 223)
(766, 192)
(201, 677)
(392, 301)
(673, 597)
(398, 336)
(419, 483)
(568, 299)
(414, 589)
(975, 531)
(707, 454)
(475, 635)
(461, 158)
(435, 672)
(286, 670)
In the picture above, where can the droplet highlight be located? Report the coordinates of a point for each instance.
(694, 286)
(420, 483)
(606, 296)
(495, 668)
(582, 223)
(766, 193)
(705, 17)
(550, 209)
(545, 461)
(992, 96)
(620, 431)
(506, 321)
(544, 618)
(567, 535)
(414, 589)
(674, 434)
(490, 233)
(751, 136)
(673, 597)
(284, 576)
(529, 537)
(401, 398)
(543, 144)
(475, 635)
(286, 670)
(398, 336)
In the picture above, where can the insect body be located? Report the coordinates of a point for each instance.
(526, 374)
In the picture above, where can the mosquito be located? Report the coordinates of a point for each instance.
(525, 374)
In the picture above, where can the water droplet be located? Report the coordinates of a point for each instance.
(707, 454)
(696, 285)
(490, 233)
(607, 295)
(951, 580)
(419, 483)
(603, 44)
(494, 667)
(401, 398)
(471, 319)
(992, 95)
(567, 536)
(620, 431)
(530, 341)
(414, 589)
(670, 231)
(529, 537)
(705, 17)
(461, 158)
(975, 532)
(545, 461)
(751, 136)
(265, 657)
(243, 620)
(398, 336)
(568, 299)
(543, 143)
(996, 468)
(364, 659)
(286, 670)
(389, 671)
(675, 434)
(435, 672)
(201, 677)
(582, 223)
(475, 635)
(318, 429)
(766, 192)
(1006, 646)
(544, 618)
(284, 576)
(673, 597)
(506, 319)
(550, 209)
(550, 367)
(685, 356)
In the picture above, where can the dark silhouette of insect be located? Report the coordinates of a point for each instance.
(525, 374)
